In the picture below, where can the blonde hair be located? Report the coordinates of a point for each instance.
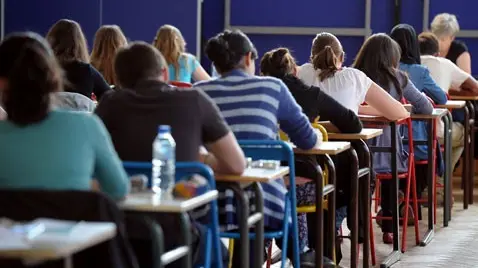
(445, 24)
(68, 41)
(108, 40)
(170, 42)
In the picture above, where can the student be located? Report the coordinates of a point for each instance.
(108, 40)
(72, 101)
(445, 26)
(410, 63)
(43, 148)
(379, 59)
(69, 45)
(253, 107)
(349, 86)
(183, 67)
(280, 63)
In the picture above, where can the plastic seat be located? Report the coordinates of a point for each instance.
(180, 84)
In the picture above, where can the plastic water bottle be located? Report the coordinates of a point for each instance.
(164, 161)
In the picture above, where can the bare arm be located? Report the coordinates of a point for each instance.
(200, 74)
(464, 62)
(470, 84)
(384, 103)
(225, 156)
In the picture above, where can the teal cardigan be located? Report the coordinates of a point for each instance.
(62, 152)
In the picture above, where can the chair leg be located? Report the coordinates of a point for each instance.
(415, 206)
(372, 243)
(377, 195)
(406, 203)
(230, 248)
(269, 256)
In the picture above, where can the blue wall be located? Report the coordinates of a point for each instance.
(140, 19)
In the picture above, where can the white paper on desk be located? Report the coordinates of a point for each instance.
(12, 241)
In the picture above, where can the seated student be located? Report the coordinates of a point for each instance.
(183, 67)
(410, 63)
(108, 40)
(253, 107)
(132, 116)
(445, 26)
(72, 101)
(280, 63)
(349, 86)
(69, 45)
(448, 76)
(379, 59)
(44, 148)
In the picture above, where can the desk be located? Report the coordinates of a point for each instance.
(452, 104)
(431, 144)
(395, 255)
(323, 151)
(150, 202)
(51, 246)
(364, 190)
(234, 182)
(468, 163)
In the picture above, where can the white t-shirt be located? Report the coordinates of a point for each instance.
(348, 86)
(445, 73)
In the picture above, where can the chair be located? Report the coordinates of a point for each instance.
(183, 170)
(411, 183)
(180, 84)
(279, 151)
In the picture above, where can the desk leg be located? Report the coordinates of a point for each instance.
(471, 152)
(448, 169)
(68, 262)
(395, 255)
(354, 203)
(467, 160)
(243, 214)
(319, 218)
(365, 202)
(431, 184)
(259, 226)
(186, 230)
(331, 232)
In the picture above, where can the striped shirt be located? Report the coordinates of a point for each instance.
(253, 107)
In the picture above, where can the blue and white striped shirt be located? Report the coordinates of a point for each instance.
(253, 107)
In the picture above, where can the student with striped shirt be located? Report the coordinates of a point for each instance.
(253, 107)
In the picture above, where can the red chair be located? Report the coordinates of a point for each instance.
(180, 84)
(409, 175)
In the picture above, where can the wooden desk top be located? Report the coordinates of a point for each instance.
(376, 118)
(254, 175)
(365, 134)
(437, 113)
(150, 202)
(327, 147)
(56, 245)
(452, 104)
(464, 97)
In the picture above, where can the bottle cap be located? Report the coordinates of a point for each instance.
(164, 129)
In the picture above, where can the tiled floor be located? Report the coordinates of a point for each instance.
(453, 247)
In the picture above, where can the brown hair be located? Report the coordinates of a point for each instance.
(32, 73)
(429, 44)
(68, 41)
(138, 62)
(278, 62)
(326, 53)
(170, 42)
(108, 40)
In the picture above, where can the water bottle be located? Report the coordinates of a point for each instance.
(164, 161)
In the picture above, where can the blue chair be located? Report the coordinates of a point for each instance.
(279, 151)
(183, 170)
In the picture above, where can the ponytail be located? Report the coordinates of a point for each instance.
(326, 62)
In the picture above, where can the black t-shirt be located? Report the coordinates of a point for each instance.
(84, 79)
(456, 49)
(132, 117)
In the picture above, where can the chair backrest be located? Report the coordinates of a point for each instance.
(267, 149)
(183, 170)
(27, 205)
(180, 84)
